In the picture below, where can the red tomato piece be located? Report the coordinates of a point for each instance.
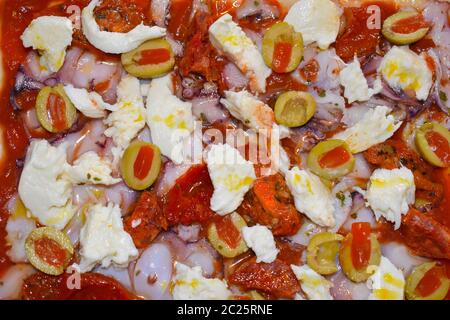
(189, 200)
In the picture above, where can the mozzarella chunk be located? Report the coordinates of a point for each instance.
(125, 123)
(375, 127)
(90, 168)
(390, 192)
(103, 239)
(403, 69)
(355, 84)
(90, 104)
(229, 39)
(311, 196)
(387, 283)
(317, 20)
(260, 240)
(313, 284)
(170, 119)
(245, 107)
(42, 188)
(232, 176)
(190, 284)
(116, 42)
(51, 36)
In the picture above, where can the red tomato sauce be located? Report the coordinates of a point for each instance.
(334, 158)
(143, 162)
(180, 13)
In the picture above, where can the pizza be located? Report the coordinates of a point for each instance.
(225, 150)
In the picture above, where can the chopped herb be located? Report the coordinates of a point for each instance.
(341, 196)
(354, 215)
(256, 3)
(97, 179)
(442, 96)
(138, 272)
(89, 176)
(322, 93)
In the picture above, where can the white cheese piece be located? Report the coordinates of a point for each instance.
(355, 84)
(403, 69)
(190, 284)
(51, 36)
(18, 229)
(260, 240)
(387, 283)
(89, 168)
(317, 20)
(90, 104)
(232, 176)
(170, 119)
(229, 39)
(311, 196)
(315, 286)
(245, 107)
(125, 123)
(103, 239)
(390, 192)
(42, 188)
(375, 127)
(116, 42)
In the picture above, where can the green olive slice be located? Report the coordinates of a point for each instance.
(282, 48)
(150, 60)
(433, 143)
(405, 28)
(224, 234)
(346, 260)
(331, 159)
(322, 251)
(418, 275)
(49, 250)
(140, 165)
(54, 110)
(294, 108)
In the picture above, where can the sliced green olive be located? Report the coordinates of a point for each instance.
(433, 143)
(225, 235)
(140, 165)
(331, 159)
(294, 108)
(322, 251)
(282, 48)
(54, 110)
(150, 60)
(49, 250)
(415, 283)
(405, 28)
(346, 260)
